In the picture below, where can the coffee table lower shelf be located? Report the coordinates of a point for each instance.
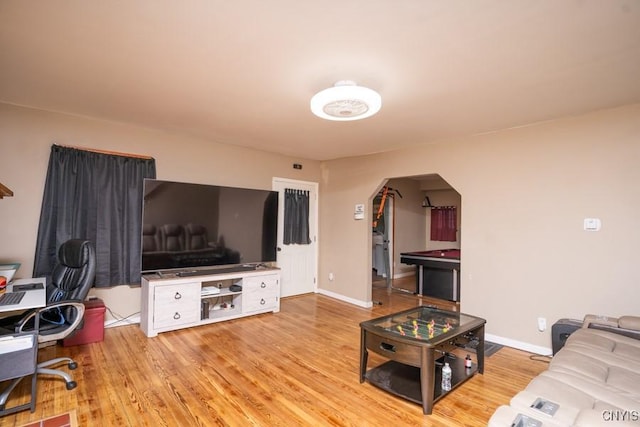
(404, 380)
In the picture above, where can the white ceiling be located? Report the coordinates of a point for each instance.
(243, 71)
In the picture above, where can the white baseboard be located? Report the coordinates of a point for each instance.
(405, 274)
(536, 349)
(345, 299)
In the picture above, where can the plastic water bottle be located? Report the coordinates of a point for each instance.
(446, 377)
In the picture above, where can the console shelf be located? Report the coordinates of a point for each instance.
(174, 301)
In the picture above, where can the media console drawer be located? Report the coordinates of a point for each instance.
(176, 304)
(260, 293)
(260, 302)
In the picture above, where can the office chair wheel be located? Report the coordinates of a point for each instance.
(73, 365)
(71, 385)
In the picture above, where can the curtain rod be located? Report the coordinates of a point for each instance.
(113, 153)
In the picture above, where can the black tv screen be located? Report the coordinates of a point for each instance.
(194, 225)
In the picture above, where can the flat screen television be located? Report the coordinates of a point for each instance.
(189, 225)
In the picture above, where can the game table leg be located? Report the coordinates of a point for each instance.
(480, 349)
(364, 355)
(427, 375)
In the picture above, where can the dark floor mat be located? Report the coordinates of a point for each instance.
(489, 347)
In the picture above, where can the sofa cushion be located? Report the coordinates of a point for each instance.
(556, 390)
(581, 392)
(604, 341)
(613, 371)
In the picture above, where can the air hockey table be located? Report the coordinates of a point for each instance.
(437, 272)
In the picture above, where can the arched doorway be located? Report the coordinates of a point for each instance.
(408, 229)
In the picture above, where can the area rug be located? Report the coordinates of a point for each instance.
(68, 419)
(490, 348)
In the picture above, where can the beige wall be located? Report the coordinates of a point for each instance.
(525, 193)
(25, 140)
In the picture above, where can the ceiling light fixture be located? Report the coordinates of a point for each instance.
(346, 101)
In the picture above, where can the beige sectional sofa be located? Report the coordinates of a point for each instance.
(594, 380)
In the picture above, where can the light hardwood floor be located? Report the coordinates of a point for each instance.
(297, 367)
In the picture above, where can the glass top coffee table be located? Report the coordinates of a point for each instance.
(417, 342)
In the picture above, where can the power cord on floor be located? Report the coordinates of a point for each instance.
(120, 318)
(540, 358)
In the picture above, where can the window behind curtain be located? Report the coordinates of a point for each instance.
(97, 197)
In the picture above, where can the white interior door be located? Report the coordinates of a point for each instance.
(297, 263)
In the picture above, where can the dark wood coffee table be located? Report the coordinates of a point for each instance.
(417, 342)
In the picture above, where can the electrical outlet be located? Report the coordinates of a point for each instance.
(542, 324)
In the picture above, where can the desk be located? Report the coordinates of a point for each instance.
(17, 364)
(36, 298)
(438, 272)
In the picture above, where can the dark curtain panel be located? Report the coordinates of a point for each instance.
(444, 224)
(296, 217)
(97, 197)
(269, 233)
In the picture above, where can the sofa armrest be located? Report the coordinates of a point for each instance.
(628, 326)
(629, 322)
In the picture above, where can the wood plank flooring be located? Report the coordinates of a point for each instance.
(297, 367)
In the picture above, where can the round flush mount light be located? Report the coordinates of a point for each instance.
(346, 101)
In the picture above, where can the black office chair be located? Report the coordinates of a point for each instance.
(68, 287)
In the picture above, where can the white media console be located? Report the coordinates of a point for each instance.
(171, 301)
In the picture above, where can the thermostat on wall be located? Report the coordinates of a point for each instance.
(592, 224)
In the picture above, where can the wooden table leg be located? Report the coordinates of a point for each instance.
(427, 379)
(364, 355)
(480, 349)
